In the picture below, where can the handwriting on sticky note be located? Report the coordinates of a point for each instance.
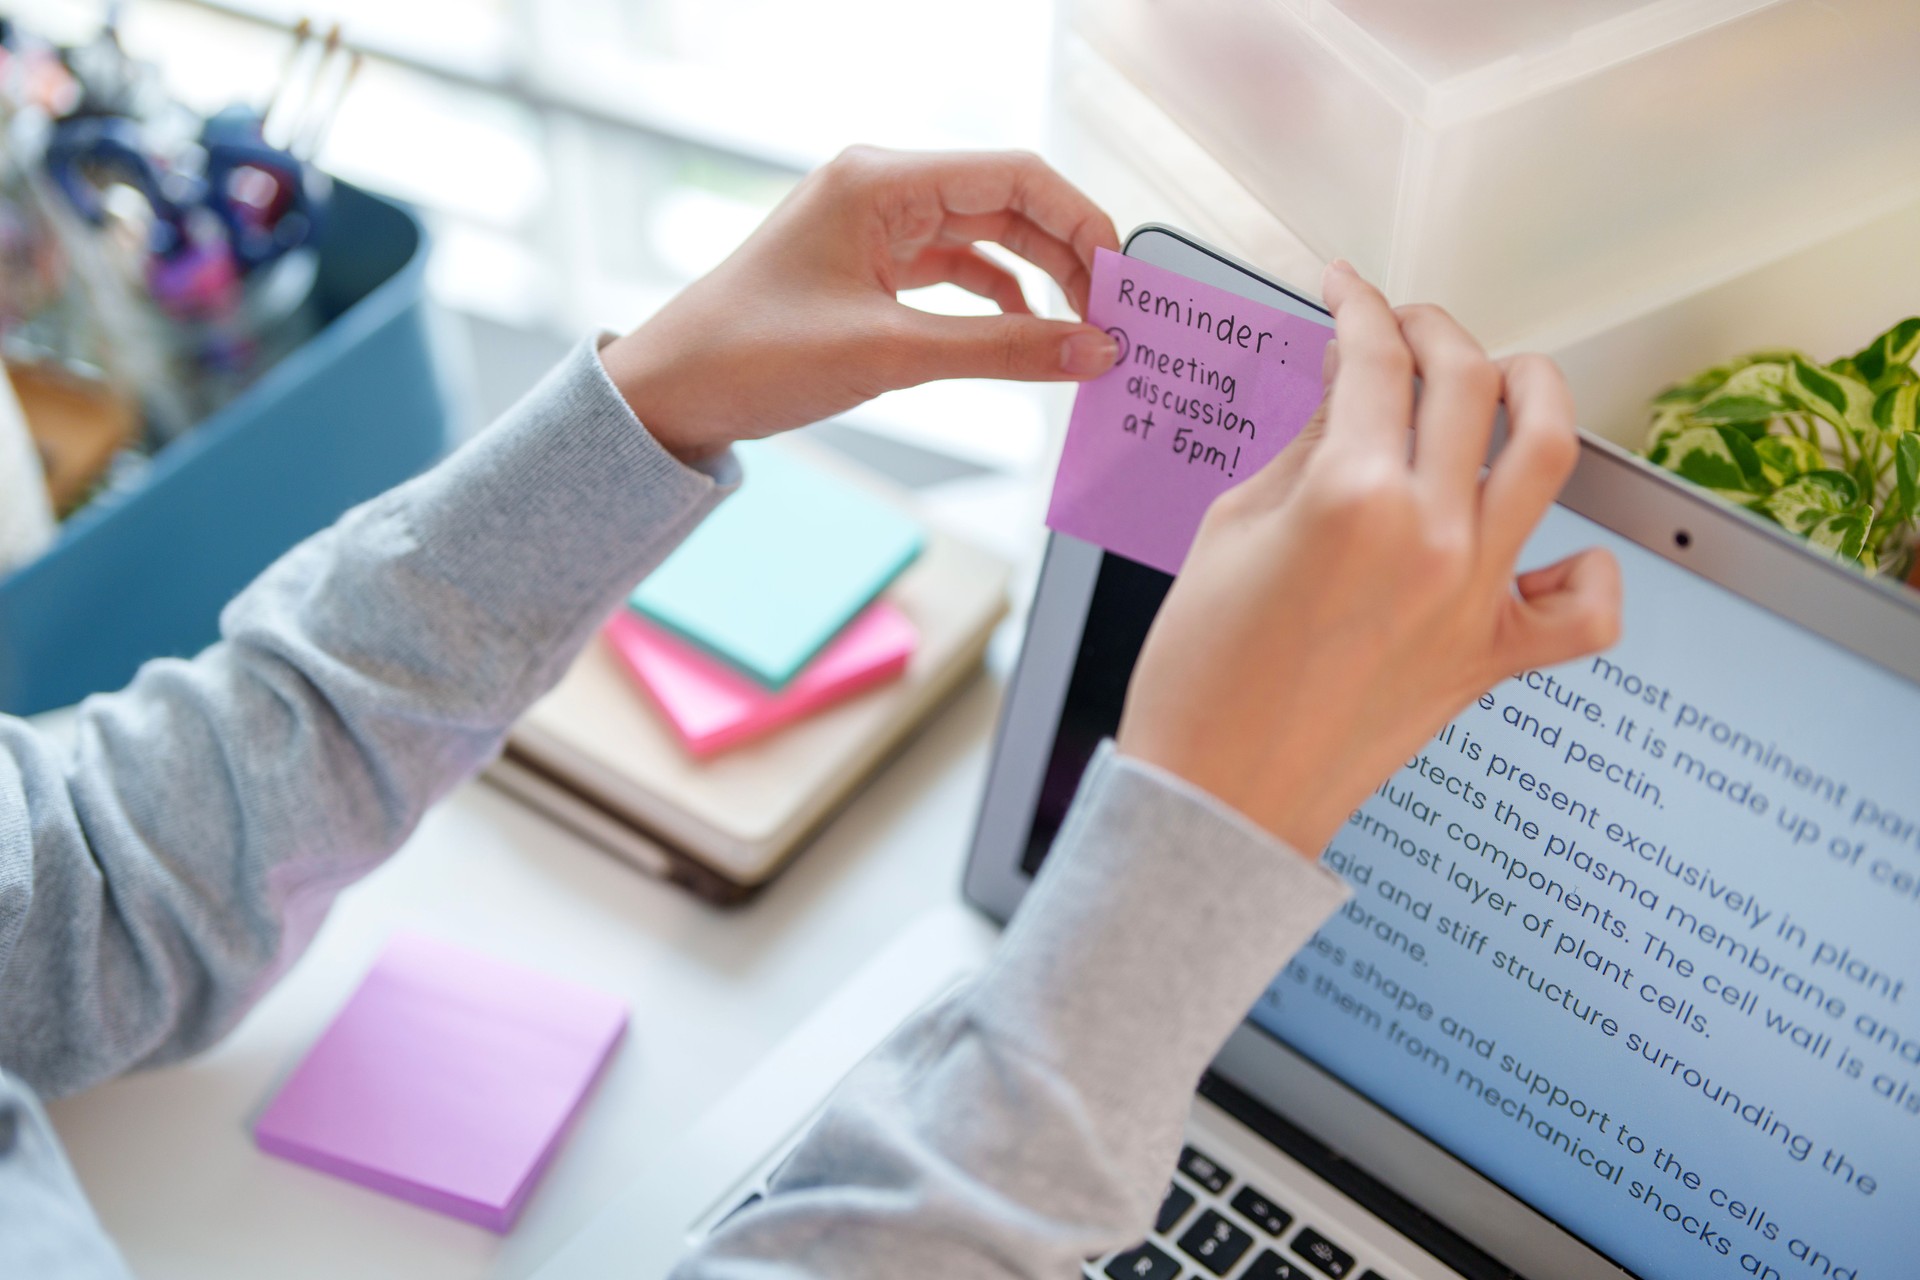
(1208, 388)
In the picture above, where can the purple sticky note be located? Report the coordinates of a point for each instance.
(1208, 388)
(448, 1080)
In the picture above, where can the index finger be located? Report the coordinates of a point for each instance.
(1541, 450)
(1371, 403)
(974, 183)
(1459, 391)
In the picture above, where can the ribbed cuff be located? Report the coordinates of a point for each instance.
(1158, 919)
(562, 504)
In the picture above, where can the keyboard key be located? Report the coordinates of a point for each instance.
(1262, 1212)
(1204, 1171)
(1215, 1243)
(1271, 1266)
(1173, 1208)
(1322, 1253)
(1371, 1274)
(1143, 1262)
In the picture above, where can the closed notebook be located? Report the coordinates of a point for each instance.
(448, 1080)
(781, 568)
(712, 707)
(594, 756)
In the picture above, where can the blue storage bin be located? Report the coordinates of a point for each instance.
(355, 410)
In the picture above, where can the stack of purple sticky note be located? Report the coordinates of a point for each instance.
(448, 1080)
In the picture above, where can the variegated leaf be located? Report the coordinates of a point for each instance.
(1706, 456)
(1906, 468)
(1897, 409)
(1767, 379)
(1842, 535)
(1711, 382)
(1786, 458)
(1886, 355)
(1736, 409)
(1810, 500)
(1841, 400)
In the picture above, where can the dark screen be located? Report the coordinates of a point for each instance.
(1126, 596)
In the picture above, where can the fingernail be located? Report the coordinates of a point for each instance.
(1341, 264)
(1088, 353)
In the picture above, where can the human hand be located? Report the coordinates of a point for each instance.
(1348, 600)
(803, 321)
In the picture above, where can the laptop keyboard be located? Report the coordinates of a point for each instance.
(1212, 1225)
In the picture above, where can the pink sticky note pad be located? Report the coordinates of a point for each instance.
(712, 707)
(448, 1080)
(1208, 388)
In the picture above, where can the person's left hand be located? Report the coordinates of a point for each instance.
(1355, 594)
(802, 322)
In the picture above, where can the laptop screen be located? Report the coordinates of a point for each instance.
(1637, 938)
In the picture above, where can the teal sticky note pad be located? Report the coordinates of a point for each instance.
(780, 567)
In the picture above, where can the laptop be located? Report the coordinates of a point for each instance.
(1629, 984)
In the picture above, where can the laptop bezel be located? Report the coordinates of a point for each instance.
(1727, 547)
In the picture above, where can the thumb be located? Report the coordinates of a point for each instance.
(1317, 425)
(1278, 478)
(1019, 347)
(1567, 610)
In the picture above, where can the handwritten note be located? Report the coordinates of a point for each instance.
(1208, 388)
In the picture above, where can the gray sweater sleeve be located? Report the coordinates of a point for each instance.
(1029, 1121)
(154, 881)
(158, 878)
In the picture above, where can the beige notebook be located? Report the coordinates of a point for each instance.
(596, 756)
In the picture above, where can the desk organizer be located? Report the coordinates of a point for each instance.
(355, 410)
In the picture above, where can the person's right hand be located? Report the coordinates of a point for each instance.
(804, 321)
(1343, 604)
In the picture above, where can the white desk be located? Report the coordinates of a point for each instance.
(167, 1158)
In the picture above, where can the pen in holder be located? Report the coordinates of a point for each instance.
(198, 262)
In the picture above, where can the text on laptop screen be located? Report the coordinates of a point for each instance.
(1638, 938)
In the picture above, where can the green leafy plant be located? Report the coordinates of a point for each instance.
(1830, 452)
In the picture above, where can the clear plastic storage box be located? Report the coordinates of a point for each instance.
(1546, 170)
